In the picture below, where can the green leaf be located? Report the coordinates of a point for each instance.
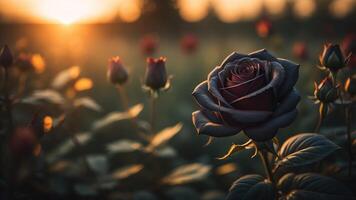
(187, 173)
(39, 97)
(251, 187)
(124, 146)
(312, 186)
(66, 76)
(113, 117)
(304, 149)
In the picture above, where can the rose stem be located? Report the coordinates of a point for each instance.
(349, 139)
(153, 113)
(7, 100)
(266, 165)
(321, 117)
(125, 105)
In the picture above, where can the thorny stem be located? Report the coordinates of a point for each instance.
(266, 165)
(348, 113)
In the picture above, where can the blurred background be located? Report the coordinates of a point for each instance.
(195, 36)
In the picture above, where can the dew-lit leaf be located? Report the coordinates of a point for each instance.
(187, 173)
(123, 146)
(83, 84)
(126, 171)
(251, 187)
(304, 149)
(65, 76)
(312, 186)
(118, 116)
(87, 102)
(44, 96)
(98, 163)
(163, 136)
(226, 169)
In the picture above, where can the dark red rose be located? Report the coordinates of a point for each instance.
(332, 57)
(254, 93)
(349, 47)
(149, 45)
(156, 74)
(264, 28)
(23, 141)
(300, 50)
(6, 58)
(189, 43)
(117, 73)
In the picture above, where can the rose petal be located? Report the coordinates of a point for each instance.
(263, 54)
(207, 101)
(230, 58)
(213, 88)
(269, 129)
(206, 126)
(291, 77)
(278, 75)
(262, 101)
(288, 103)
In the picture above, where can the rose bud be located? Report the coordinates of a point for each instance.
(149, 45)
(264, 28)
(350, 86)
(23, 141)
(117, 73)
(300, 50)
(253, 93)
(189, 43)
(349, 47)
(6, 58)
(326, 92)
(332, 58)
(156, 74)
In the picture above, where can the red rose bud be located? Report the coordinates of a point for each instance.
(24, 62)
(264, 28)
(189, 43)
(350, 86)
(300, 50)
(149, 45)
(332, 58)
(156, 74)
(117, 73)
(349, 47)
(23, 141)
(326, 92)
(6, 58)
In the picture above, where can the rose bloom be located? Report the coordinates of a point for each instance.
(254, 93)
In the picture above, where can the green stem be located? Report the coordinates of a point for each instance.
(8, 100)
(266, 165)
(123, 97)
(153, 113)
(349, 139)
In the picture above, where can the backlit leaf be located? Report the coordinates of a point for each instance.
(187, 173)
(126, 171)
(44, 96)
(65, 76)
(123, 146)
(87, 102)
(163, 136)
(118, 116)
